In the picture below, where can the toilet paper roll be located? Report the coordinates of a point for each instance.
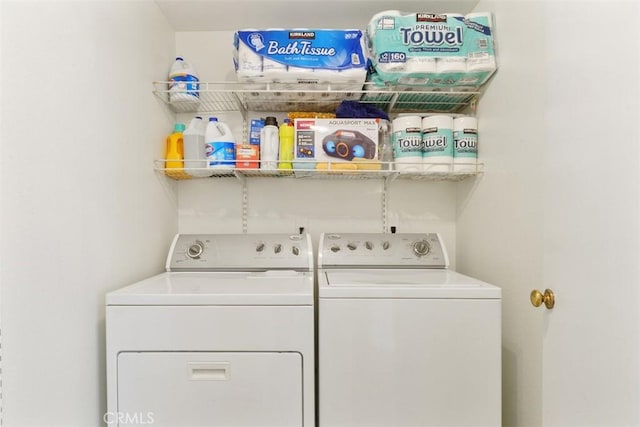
(407, 143)
(437, 143)
(249, 62)
(305, 83)
(326, 76)
(273, 70)
(465, 138)
(353, 75)
(299, 70)
(451, 64)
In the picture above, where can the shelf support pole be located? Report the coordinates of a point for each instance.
(244, 201)
(385, 210)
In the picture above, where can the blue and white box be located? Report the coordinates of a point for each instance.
(300, 56)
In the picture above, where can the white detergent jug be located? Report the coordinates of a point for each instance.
(184, 85)
(195, 157)
(220, 145)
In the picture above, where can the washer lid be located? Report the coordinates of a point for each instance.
(402, 283)
(274, 287)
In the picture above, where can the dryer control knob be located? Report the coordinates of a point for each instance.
(260, 247)
(352, 246)
(421, 248)
(295, 250)
(277, 248)
(386, 245)
(335, 248)
(195, 250)
(368, 245)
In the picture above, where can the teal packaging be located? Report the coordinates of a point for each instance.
(437, 137)
(466, 144)
(397, 42)
(465, 136)
(407, 142)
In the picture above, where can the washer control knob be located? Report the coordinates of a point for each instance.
(277, 248)
(386, 245)
(335, 248)
(295, 250)
(421, 248)
(368, 245)
(260, 247)
(352, 246)
(195, 249)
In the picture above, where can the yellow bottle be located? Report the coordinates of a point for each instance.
(174, 152)
(286, 145)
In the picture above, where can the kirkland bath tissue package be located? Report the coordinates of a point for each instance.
(432, 50)
(300, 56)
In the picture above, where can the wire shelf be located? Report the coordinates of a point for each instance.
(334, 170)
(216, 97)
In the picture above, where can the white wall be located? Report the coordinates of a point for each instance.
(499, 219)
(283, 205)
(83, 212)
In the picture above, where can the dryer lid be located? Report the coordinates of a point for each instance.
(274, 287)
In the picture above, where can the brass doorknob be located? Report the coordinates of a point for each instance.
(548, 298)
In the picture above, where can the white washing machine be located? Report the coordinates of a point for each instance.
(402, 340)
(224, 338)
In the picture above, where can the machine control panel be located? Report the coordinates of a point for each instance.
(240, 252)
(377, 250)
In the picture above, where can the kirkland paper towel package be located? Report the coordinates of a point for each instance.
(432, 50)
(304, 56)
(348, 144)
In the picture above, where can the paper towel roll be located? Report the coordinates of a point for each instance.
(420, 64)
(391, 67)
(383, 21)
(451, 64)
(465, 137)
(407, 143)
(483, 59)
(437, 143)
(459, 16)
(484, 18)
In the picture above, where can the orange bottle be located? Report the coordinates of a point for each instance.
(174, 150)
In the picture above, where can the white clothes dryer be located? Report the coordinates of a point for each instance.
(402, 340)
(225, 337)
